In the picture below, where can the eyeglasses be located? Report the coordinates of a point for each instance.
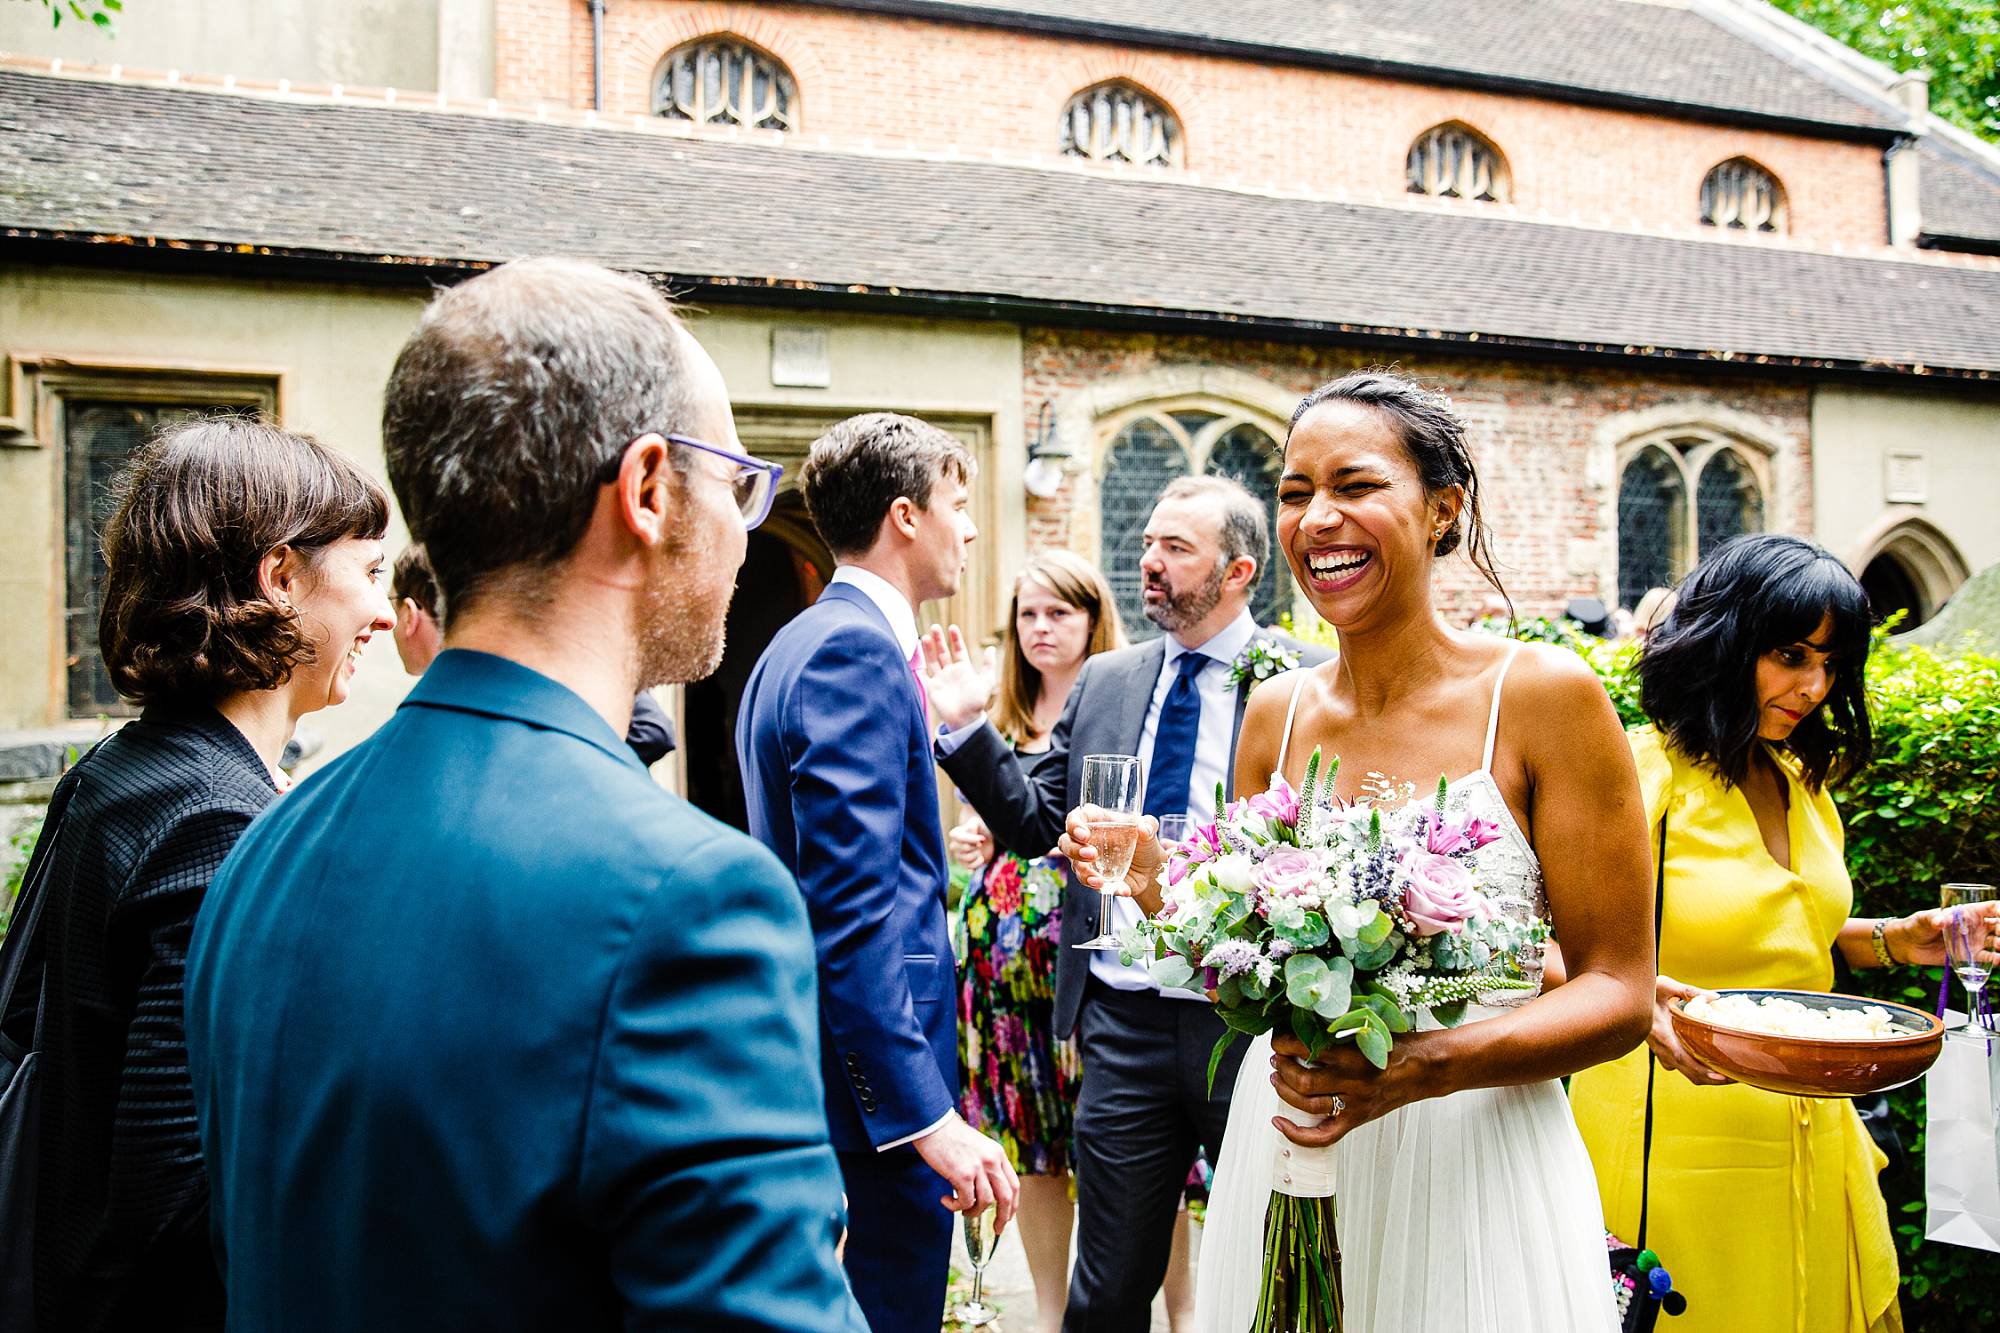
(754, 485)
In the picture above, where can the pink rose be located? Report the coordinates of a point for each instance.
(1287, 873)
(1452, 835)
(1438, 895)
(1280, 803)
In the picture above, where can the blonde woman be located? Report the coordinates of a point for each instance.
(1020, 1082)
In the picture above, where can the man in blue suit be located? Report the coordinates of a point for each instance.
(487, 1031)
(839, 780)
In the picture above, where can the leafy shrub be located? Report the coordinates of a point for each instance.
(15, 868)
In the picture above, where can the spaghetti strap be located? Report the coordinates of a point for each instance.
(1493, 717)
(1291, 711)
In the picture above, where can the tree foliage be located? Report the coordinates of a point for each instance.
(1958, 41)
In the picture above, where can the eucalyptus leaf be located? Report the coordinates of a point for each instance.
(1171, 972)
(1373, 1043)
(1449, 1015)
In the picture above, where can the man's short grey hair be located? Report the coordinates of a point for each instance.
(1243, 522)
(514, 393)
(855, 471)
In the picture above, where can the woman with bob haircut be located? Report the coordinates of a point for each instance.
(1020, 1082)
(1765, 1207)
(244, 565)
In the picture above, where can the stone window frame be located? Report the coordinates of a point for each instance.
(1172, 154)
(1710, 206)
(1499, 187)
(782, 74)
(1198, 446)
(40, 386)
(1690, 446)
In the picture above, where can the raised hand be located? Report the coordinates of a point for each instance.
(958, 686)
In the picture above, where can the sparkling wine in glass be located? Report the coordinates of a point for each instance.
(980, 1239)
(1115, 794)
(1967, 938)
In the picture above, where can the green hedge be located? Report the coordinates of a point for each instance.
(1916, 818)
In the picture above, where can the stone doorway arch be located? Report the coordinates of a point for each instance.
(1911, 567)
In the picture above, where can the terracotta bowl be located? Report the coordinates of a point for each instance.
(1815, 1066)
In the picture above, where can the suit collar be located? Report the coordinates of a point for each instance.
(888, 601)
(1138, 696)
(464, 681)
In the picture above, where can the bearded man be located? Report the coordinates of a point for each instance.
(1177, 703)
(487, 1030)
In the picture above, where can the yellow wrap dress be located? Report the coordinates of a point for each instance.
(1764, 1208)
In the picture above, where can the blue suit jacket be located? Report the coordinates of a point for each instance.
(487, 1031)
(839, 780)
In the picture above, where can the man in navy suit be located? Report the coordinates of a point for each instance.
(839, 781)
(486, 1029)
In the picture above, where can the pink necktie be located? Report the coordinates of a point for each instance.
(917, 673)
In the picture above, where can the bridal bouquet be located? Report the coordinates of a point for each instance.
(1335, 922)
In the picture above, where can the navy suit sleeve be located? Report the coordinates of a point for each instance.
(849, 754)
(1023, 801)
(705, 1160)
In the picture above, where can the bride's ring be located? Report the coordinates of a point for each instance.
(1339, 1103)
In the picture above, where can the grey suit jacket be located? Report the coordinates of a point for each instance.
(1025, 800)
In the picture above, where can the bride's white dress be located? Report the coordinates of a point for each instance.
(1473, 1213)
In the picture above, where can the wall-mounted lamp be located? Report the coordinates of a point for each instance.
(1044, 474)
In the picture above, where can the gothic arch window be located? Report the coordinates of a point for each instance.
(1118, 122)
(1178, 440)
(1739, 195)
(1680, 496)
(726, 81)
(1455, 161)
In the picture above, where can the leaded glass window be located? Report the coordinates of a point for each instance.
(1453, 162)
(1142, 460)
(1116, 122)
(1742, 196)
(722, 81)
(98, 438)
(1727, 501)
(1652, 516)
(1246, 454)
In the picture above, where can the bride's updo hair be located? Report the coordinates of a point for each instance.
(1434, 438)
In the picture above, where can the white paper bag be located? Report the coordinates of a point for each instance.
(1962, 1142)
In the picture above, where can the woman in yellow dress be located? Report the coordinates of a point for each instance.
(1764, 1208)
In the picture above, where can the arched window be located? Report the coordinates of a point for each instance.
(1661, 535)
(1453, 161)
(724, 81)
(1742, 196)
(1116, 122)
(1152, 450)
(1652, 518)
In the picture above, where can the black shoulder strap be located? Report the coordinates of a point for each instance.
(1652, 1061)
(28, 906)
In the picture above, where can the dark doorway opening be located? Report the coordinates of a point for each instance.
(785, 568)
(1890, 589)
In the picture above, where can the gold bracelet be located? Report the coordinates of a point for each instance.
(1879, 938)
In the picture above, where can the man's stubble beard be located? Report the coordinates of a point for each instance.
(1181, 610)
(682, 627)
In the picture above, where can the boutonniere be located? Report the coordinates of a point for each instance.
(1260, 660)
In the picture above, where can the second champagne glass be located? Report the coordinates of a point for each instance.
(1112, 786)
(1967, 938)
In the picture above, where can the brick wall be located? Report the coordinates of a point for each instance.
(902, 83)
(1544, 438)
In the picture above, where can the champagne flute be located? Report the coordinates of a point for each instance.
(1173, 832)
(1966, 941)
(980, 1240)
(1115, 793)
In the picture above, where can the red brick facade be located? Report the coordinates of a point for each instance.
(1545, 439)
(871, 80)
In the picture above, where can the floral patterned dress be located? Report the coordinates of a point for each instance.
(1020, 1083)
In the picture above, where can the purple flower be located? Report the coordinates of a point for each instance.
(1439, 895)
(1233, 958)
(1288, 873)
(1280, 803)
(1454, 835)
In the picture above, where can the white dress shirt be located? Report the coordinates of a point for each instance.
(902, 618)
(1211, 765)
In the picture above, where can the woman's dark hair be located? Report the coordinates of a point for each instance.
(1698, 673)
(1434, 437)
(197, 509)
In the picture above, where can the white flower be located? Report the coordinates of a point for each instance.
(1233, 872)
